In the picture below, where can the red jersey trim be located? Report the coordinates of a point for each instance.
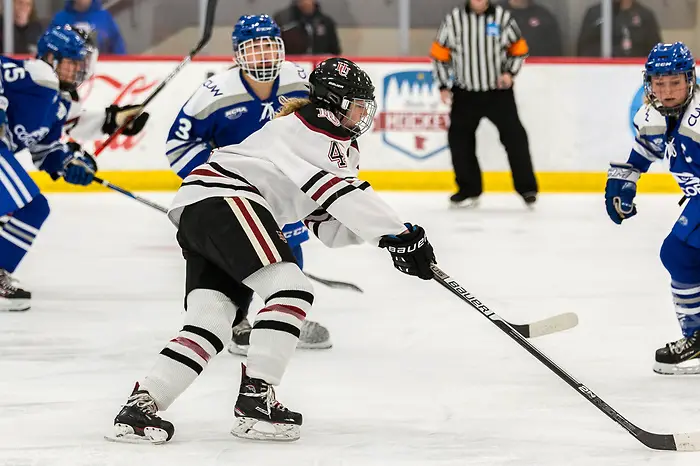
(316, 129)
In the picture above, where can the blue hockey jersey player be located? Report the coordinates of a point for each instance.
(32, 115)
(667, 129)
(228, 108)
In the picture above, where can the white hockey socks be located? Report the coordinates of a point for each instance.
(206, 329)
(686, 300)
(288, 296)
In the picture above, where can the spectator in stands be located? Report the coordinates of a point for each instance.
(635, 30)
(90, 16)
(307, 31)
(28, 28)
(538, 26)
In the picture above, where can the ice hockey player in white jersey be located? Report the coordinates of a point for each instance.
(87, 124)
(228, 108)
(303, 165)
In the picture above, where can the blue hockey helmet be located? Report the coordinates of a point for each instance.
(65, 43)
(669, 60)
(257, 47)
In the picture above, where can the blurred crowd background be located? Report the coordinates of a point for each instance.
(359, 27)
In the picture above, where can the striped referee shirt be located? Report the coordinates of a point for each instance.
(472, 50)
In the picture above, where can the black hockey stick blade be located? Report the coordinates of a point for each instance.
(676, 442)
(335, 284)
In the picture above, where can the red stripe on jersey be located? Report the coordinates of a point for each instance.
(325, 187)
(205, 172)
(267, 248)
(285, 309)
(194, 346)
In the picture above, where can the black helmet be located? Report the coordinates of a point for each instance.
(337, 84)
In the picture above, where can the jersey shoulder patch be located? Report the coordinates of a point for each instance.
(292, 78)
(649, 122)
(690, 125)
(42, 74)
(324, 121)
(223, 90)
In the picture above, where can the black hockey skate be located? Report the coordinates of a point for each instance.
(530, 199)
(259, 416)
(461, 200)
(680, 357)
(12, 298)
(312, 336)
(240, 338)
(138, 422)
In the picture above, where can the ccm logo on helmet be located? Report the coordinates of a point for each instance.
(407, 249)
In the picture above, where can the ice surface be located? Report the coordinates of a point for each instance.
(416, 377)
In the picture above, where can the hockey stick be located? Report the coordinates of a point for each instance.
(335, 284)
(123, 191)
(679, 442)
(206, 35)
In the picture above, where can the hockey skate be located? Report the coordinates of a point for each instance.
(259, 416)
(313, 336)
(12, 298)
(138, 421)
(530, 199)
(680, 357)
(461, 201)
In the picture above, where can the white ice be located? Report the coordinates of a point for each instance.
(416, 377)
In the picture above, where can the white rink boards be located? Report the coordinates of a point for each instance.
(416, 377)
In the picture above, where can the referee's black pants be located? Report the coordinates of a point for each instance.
(468, 108)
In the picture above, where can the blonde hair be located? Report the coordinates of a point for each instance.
(291, 106)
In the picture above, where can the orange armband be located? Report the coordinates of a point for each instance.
(439, 52)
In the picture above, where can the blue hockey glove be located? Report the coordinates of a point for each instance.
(80, 167)
(620, 190)
(411, 252)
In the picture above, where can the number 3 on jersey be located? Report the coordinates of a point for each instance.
(335, 154)
(183, 131)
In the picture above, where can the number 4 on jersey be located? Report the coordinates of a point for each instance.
(336, 155)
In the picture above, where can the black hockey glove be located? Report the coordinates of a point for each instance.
(115, 116)
(411, 252)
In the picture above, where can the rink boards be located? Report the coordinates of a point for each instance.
(577, 115)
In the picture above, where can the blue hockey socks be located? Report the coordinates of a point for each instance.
(18, 231)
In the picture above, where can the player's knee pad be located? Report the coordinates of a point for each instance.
(33, 214)
(681, 260)
(279, 280)
(208, 320)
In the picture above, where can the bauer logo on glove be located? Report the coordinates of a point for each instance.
(411, 252)
(407, 249)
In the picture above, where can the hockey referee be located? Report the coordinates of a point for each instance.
(478, 51)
